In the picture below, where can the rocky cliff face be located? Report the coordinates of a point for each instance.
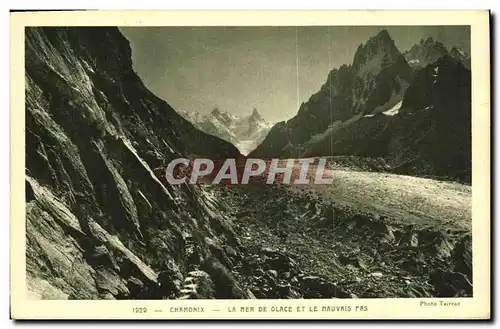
(418, 121)
(374, 83)
(428, 133)
(433, 132)
(101, 223)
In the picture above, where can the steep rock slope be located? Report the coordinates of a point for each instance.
(428, 133)
(461, 55)
(101, 223)
(374, 83)
(434, 129)
(101, 220)
(418, 123)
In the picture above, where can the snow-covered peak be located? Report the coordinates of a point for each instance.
(255, 116)
(245, 132)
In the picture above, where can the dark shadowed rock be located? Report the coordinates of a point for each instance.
(378, 72)
(102, 222)
(451, 284)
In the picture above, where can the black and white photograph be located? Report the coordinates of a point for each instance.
(389, 108)
(287, 162)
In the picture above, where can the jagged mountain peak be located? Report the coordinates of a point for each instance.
(381, 41)
(245, 132)
(382, 35)
(427, 45)
(255, 116)
(427, 41)
(375, 82)
(215, 111)
(378, 52)
(222, 116)
(429, 51)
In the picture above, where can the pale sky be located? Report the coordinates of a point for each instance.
(240, 68)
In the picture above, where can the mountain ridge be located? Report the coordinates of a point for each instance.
(245, 132)
(101, 220)
(429, 51)
(362, 121)
(374, 82)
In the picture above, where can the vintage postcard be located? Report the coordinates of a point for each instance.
(250, 165)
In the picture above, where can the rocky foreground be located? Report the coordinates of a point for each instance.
(312, 242)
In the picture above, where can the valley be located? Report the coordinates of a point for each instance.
(244, 132)
(103, 222)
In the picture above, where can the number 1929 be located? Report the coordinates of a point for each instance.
(139, 310)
